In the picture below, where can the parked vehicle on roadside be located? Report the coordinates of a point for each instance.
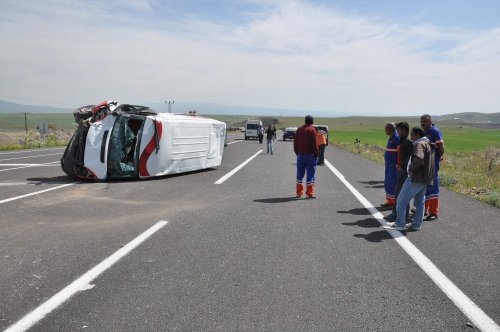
(116, 141)
(251, 128)
(289, 133)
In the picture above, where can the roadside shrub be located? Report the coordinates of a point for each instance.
(10, 147)
(493, 198)
(446, 180)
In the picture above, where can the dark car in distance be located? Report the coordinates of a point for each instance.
(289, 133)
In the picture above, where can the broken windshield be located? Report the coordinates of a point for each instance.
(123, 145)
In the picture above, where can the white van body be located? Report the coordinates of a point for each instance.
(251, 128)
(142, 145)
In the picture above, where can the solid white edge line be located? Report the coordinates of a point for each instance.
(36, 193)
(29, 165)
(462, 301)
(228, 175)
(25, 157)
(81, 283)
(52, 163)
(32, 150)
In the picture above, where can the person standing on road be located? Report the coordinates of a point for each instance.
(321, 141)
(260, 134)
(420, 175)
(390, 158)
(306, 150)
(405, 150)
(274, 130)
(432, 194)
(270, 138)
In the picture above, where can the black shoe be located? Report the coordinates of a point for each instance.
(311, 197)
(391, 217)
(431, 217)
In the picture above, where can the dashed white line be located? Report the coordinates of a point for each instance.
(228, 175)
(36, 193)
(82, 283)
(462, 301)
(234, 142)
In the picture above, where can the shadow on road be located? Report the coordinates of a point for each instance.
(276, 200)
(377, 236)
(365, 223)
(62, 179)
(357, 211)
(373, 184)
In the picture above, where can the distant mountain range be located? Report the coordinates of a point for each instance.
(207, 108)
(470, 117)
(9, 107)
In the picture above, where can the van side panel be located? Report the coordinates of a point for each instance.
(185, 145)
(154, 160)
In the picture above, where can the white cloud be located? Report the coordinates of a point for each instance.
(288, 55)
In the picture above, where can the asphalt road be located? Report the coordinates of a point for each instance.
(240, 255)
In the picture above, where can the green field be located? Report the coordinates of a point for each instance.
(370, 130)
(15, 122)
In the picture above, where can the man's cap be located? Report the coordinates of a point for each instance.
(309, 119)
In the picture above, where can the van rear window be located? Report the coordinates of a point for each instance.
(252, 126)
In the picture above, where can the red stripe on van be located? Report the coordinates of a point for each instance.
(143, 160)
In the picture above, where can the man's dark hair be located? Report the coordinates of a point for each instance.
(417, 131)
(425, 116)
(309, 119)
(403, 125)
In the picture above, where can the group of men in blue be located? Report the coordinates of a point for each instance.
(412, 172)
(412, 160)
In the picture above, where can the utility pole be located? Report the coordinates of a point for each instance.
(25, 120)
(169, 105)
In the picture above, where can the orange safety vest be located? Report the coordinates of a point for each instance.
(320, 138)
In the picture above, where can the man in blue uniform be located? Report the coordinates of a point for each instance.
(432, 193)
(390, 158)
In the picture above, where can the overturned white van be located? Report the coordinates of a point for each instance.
(115, 141)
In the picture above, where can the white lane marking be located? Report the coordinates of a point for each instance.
(29, 165)
(462, 301)
(40, 155)
(236, 141)
(13, 184)
(33, 183)
(52, 163)
(27, 151)
(82, 283)
(36, 193)
(228, 175)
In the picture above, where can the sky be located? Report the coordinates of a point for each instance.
(327, 58)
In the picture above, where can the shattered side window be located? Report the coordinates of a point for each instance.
(121, 150)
